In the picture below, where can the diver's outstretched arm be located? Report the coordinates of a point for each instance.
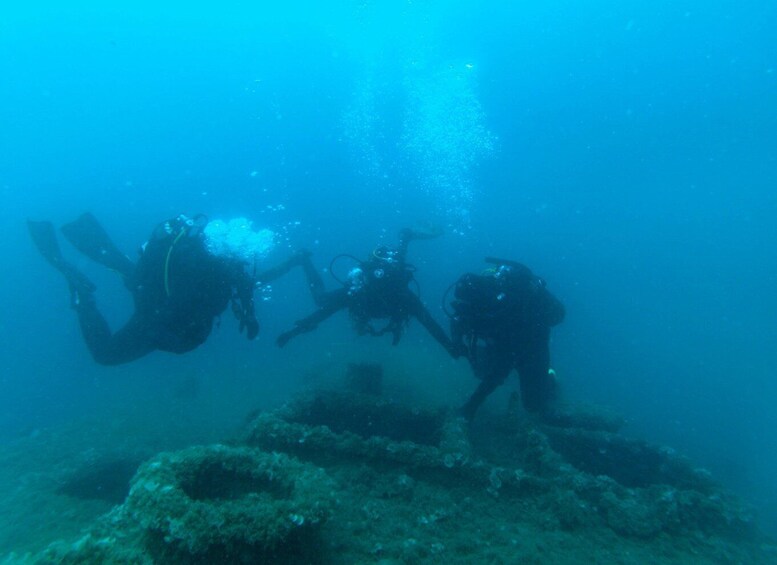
(300, 258)
(418, 310)
(458, 331)
(281, 269)
(333, 302)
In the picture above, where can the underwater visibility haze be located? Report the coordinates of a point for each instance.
(625, 151)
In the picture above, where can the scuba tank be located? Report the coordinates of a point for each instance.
(171, 232)
(491, 295)
(154, 273)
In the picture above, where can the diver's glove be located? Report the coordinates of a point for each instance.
(301, 327)
(251, 325)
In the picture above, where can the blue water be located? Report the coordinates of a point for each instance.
(625, 151)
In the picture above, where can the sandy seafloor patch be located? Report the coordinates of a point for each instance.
(34, 467)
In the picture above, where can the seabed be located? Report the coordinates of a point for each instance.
(348, 477)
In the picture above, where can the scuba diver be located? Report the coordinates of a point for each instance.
(504, 317)
(378, 288)
(179, 287)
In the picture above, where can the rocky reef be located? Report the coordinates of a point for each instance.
(349, 477)
(219, 503)
(212, 504)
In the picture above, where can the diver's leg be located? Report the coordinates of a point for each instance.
(498, 371)
(88, 236)
(538, 388)
(333, 302)
(129, 343)
(480, 356)
(45, 239)
(406, 235)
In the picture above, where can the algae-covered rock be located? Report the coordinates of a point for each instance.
(416, 486)
(113, 538)
(91, 550)
(365, 415)
(228, 504)
(630, 462)
(455, 438)
(584, 417)
(630, 515)
(584, 478)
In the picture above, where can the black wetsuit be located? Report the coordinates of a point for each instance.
(379, 291)
(179, 288)
(504, 318)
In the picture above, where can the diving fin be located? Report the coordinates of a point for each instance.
(88, 236)
(426, 230)
(45, 239)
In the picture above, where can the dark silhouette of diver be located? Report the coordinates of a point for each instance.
(504, 317)
(178, 287)
(378, 288)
